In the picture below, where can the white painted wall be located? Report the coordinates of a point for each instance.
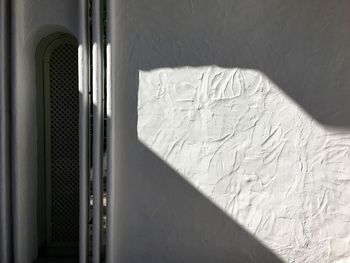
(230, 131)
(239, 139)
(290, 170)
(31, 21)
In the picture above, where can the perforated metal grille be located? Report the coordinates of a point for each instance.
(64, 140)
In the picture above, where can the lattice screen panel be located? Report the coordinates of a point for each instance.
(64, 140)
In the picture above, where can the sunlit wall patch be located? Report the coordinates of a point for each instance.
(235, 136)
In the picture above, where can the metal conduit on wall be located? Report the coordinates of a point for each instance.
(5, 138)
(98, 127)
(84, 87)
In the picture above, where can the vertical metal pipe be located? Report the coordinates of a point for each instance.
(5, 155)
(84, 80)
(111, 233)
(109, 237)
(97, 154)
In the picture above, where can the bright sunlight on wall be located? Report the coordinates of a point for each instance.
(255, 153)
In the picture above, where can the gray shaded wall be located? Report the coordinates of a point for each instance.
(154, 215)
(31, 21)
(5, 154)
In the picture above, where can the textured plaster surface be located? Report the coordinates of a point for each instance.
(265, 162)
(235, 136)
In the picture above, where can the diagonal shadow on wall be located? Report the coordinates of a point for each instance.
(302, 46)
(162, 218)
(154, 214)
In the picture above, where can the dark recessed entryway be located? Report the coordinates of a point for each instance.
(58, 146)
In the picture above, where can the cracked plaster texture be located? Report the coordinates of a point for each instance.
(235, 136)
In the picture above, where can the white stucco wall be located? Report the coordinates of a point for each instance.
(256, 154)
(195, 177)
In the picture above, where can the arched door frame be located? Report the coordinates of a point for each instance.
(43, 54)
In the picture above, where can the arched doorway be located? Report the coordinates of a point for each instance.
(58, 145)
